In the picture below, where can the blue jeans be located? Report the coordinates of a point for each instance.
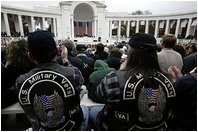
(84, 124)
(93, 114)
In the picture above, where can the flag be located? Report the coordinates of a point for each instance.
(152, 94)
(194, 23)
(152, 23)
(124, 23)
(47, 101)
(161, 24)
(172, 23)
(183, 23)
(142, 23)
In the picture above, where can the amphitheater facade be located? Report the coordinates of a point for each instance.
(88, 21)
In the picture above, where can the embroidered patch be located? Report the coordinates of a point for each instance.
(121, 116)
(46, 91)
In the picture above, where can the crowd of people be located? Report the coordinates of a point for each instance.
(143, 86)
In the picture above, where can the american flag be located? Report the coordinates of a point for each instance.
(152, 94)
(47, 101)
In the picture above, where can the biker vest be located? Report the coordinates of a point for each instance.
(140, 107)
(51, 102)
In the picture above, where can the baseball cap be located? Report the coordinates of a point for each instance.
(143, 41)
(41, 42)
(81, 47)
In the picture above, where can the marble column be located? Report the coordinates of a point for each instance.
(20, 25)
(32, 24)
(7, 24)
(147, 26)
(137, 27)
(128, 28)
(54, 27)
(43, 22)
(72, 28)
(110, 29)
(167, 26)
(95, 27)
(156, 28)
(188, 27)
(119, 29)
(177, 28)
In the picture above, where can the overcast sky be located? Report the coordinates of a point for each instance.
(156, 7)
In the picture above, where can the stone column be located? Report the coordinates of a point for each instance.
(7, 24)
(92, 24)
(167, 27)
(20, 25)
(86, 28)
(119, 29)
(110, 29)
(43, 22)
(177, 28)
(188, 27)
(95, 25)
(32, 24)
(72, 28)
(128, 28)
(156, 28)
(54, 26)
(147, 26)
(137, 27)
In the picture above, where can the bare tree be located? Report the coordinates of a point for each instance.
(139, 12)
(147, 12)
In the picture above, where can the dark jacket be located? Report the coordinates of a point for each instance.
(190, 62)
(88, 66)
(184, 116)
(49, 95)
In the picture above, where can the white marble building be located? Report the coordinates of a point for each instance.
(74, 19)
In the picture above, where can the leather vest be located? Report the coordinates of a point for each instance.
(51, 101)
(140, 107)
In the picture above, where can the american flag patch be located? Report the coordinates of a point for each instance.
(152, 94)
(47, 101)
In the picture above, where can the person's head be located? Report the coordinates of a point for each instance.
(17, 54)
(192, 48)
(99, 47)
(114, 58)
(69, 44)
(80, 48)
(42, 46)
(179, 49)
(142, 53)
(168, 41)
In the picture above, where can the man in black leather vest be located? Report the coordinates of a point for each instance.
(49, 93)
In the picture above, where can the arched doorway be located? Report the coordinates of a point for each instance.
(83, 20)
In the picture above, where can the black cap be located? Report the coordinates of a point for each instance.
(41, 42)
(143, 41)
(81, 47)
